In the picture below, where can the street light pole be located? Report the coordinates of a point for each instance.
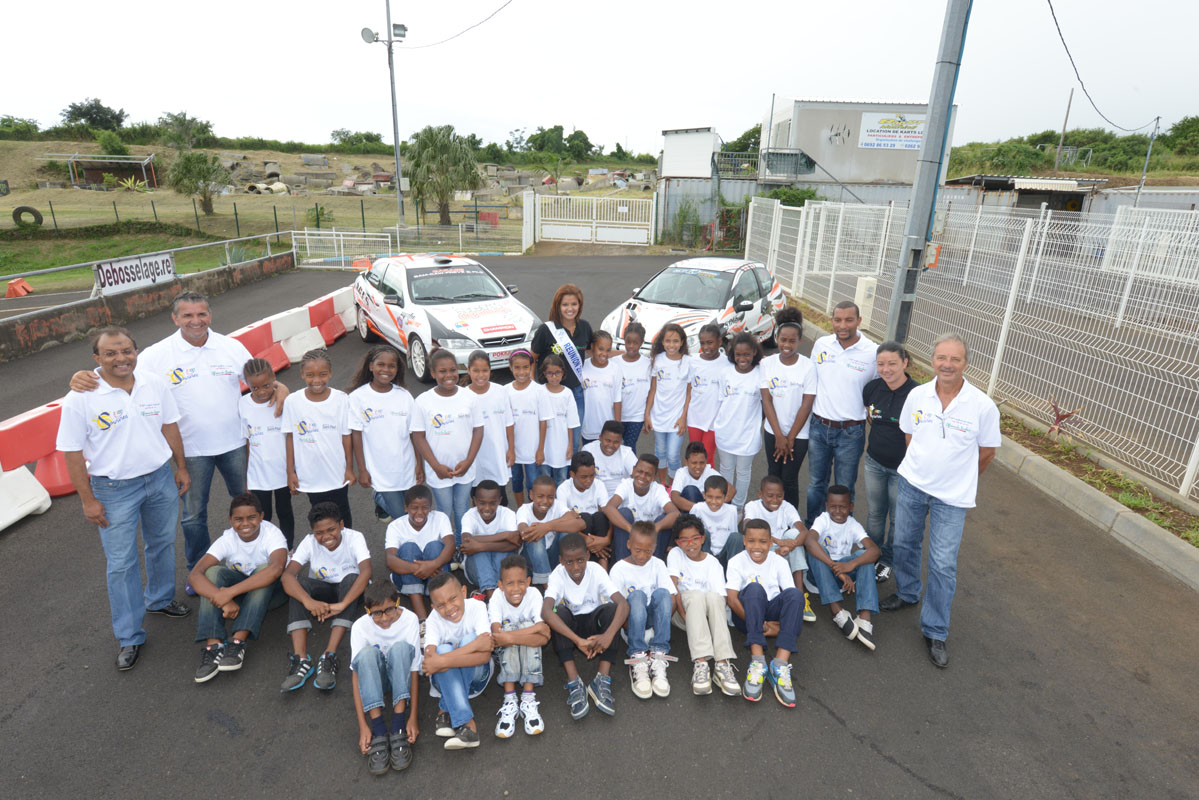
(395, 119)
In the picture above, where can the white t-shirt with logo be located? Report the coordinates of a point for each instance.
(739, 412)
(842, 374)
(365, 633)
(510, 617)
(634, 388)
(473, 624)
(448, 424)
(705, 575)
(647, 507)
(719, 524)
(331, 566)
(385, 420)
(611, 470)
(683, 478)
(595, 589)
(565, 416)
(525, 516)
(503, 521)
(492, 462)
(266, 469)
(530, 407)
(400, 531)
(787, 386)
(648, 577)
(774, 574)
(119, 432)
(601, 391)
(781, 521)
(705, 390)
(316, 439)
(670, 394)
(246, 557)
(588, 502)
(839, 540)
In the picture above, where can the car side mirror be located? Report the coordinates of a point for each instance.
(512, 288)
(743, 305)
(392, 300)
(636, 290)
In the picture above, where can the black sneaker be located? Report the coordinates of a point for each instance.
(297, 673)
(401, 751)
(443, 728)
(234, 656)
(882, 573)
(173, 609)
(377, 756)
(210, 663)
(462, 739)
(326, 672)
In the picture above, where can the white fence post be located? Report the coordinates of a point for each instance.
(832, 275)
(653, 219)
(749, 228)
(882, 242)
(775, 224)
(973, 238)
(1036, 265)
(800, 233)
(1132, 272)
(1188, 478)
(459, 237)
(1007, 313)
(820, 237)
(809, 210)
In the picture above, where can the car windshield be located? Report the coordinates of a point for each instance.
(457, 284)
(688, 287)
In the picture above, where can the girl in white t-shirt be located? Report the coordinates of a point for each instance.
(447, 432)
(266, 462)
(559, 430)
(706, 369)
(739, 414)
(497, 453)
(789, 380)
(316, 425)
(634, 383)
(381, 429)
(530, 412)
(601, 388)
(669, 397)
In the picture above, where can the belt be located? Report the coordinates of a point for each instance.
(839, 424)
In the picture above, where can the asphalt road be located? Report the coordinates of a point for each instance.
(1072, 668)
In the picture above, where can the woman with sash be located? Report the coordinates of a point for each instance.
(569, 335)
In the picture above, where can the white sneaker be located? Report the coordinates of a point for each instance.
(507, 724)
(726, 679)
(532, 714)
(701, 678)
(657, 669)
(864, 632)
(639, 675)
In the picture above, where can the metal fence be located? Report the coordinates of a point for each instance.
(1091, 310)
(331, 245)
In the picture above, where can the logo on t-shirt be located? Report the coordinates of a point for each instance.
(371, 414)
(823, 357)
(181, 375)
(107, 420)
(440, 421)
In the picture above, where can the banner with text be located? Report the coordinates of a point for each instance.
(891, 131)
(126, 274)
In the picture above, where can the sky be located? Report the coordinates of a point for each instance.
(619, 70)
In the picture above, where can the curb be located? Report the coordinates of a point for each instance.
(341, 261)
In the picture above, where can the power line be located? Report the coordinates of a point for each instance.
(1083, 85)
(464, 30)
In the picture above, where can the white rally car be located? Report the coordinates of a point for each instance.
(419, 302)
(736, 294)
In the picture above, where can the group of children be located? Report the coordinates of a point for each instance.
(597, 547)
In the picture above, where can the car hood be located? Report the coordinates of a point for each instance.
(653, 316)
(483, 319)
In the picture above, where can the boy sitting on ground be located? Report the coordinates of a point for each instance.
(489, 536)
(787, 532)
(647, 588)
(418, 545)
(457, 657)
(687, 488)
(640, 497)
(586, 496)
(834, 536)
(720, 520)
(518, 632)
(613, 460)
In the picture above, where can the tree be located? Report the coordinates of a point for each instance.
(197, 172)
(547, 140)
(492, 152)
(578, 145)
(17, 127)
(554, 164)
(350, 138)
(94, 114)
(473, 142)
(111, 144)
(183, 132)
(619, 152)
(1183, 136)
(440, 163)
(748, 142)
(517, 143)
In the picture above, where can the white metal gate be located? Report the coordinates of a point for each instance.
(596, 220)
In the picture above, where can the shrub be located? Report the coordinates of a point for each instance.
(111, 144)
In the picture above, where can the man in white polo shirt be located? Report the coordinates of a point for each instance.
(845, 363)
(203, 370)
(120, 442)
(952, 429)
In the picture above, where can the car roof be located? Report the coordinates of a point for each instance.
(425, 261)
(712, 263)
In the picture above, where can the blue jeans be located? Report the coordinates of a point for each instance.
(945, 524)
(483, 569)
(632, 432)
(882, 488)
(838, 449)
(523, 475)
(195, 502)
(786, 609)
(829, 584)
(668, 447)
(646, 613)
(210, 623)
(372, 664)
(577, 438)
(518, 663)
(453, 500)
(458, 685)
(542, 558)
(559, 474)
(152, 500)
(392, 502)
(410, 551)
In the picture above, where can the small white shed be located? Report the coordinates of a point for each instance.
(687, 152)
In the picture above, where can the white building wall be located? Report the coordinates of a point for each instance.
(688, 153)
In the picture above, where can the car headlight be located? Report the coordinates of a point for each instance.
(457, 344)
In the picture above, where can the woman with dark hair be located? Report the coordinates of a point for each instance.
(567, 334)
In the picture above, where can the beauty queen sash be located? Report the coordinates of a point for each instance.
(568, 349)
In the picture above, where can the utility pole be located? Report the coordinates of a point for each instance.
(395, 119)
(928, 168)
(1144, 169)
(1057, 159)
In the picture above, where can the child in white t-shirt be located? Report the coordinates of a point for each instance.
(720, 520)
(540, 522)
(760, 591)
(640, 497)
(634, 383)
(316, 428)
(586, 496)
(381, 412)
(325, 579)
(687, 488)
(530, 414)
(647, 588)
(418, 545)
(706, 369)
(613, 460)
(266, 456)
(669, 397)
(700, 606)
(497, 454)
(457, 658)
(787, 531)
(601, 384)
(584, 610)
(489, 535)
(237, 579)
(559, 431)
(519, 633)
(843, 561)
(739, 414)
(385, 658)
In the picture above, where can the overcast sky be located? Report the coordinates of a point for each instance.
(620, 70)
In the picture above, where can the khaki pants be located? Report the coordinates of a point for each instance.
(706, 625)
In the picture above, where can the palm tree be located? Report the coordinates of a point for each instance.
(441, 162)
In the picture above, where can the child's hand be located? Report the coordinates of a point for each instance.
(317, 609)
(461, 467)
(603, 642)
(847, 584)
(412, 729)
(840, 568)
(348, 477)
(442, 471)
(647, 426)
(431, 664)
(222, 597)
(469, 547)
(680, 427)
(539, 459)
(784, 549)
(230, 610)
(511, 459)
(532, 533)
(364, 739)
(420, 472)
(293, 482)
(425, 570)
(782, 449)
(364, 478)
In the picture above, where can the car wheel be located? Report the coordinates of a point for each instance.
(364, 330)
(418, 360)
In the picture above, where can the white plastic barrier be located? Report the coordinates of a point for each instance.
(307, 339)
(343, 299)
(21, 495)
(287, 324)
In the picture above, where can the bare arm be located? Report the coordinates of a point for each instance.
(170, 432)
(735, 603)
(93, 509)
(364, 476)
(669, 515)
(647, 426)
(347, 446)
(680, 502)
(475, 652)
(985, 456)
(293, 480)
(801, 416)
(535, 635)
(426, 453)
(557, 625)
(612, 512)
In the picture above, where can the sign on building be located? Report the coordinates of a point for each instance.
(127, 274)
(891, 131)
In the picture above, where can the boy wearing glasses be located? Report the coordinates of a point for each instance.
(385, 658)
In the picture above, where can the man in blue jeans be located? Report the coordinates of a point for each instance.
(125, 459)
(952, 430)
(457, 658)
(844, 364)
